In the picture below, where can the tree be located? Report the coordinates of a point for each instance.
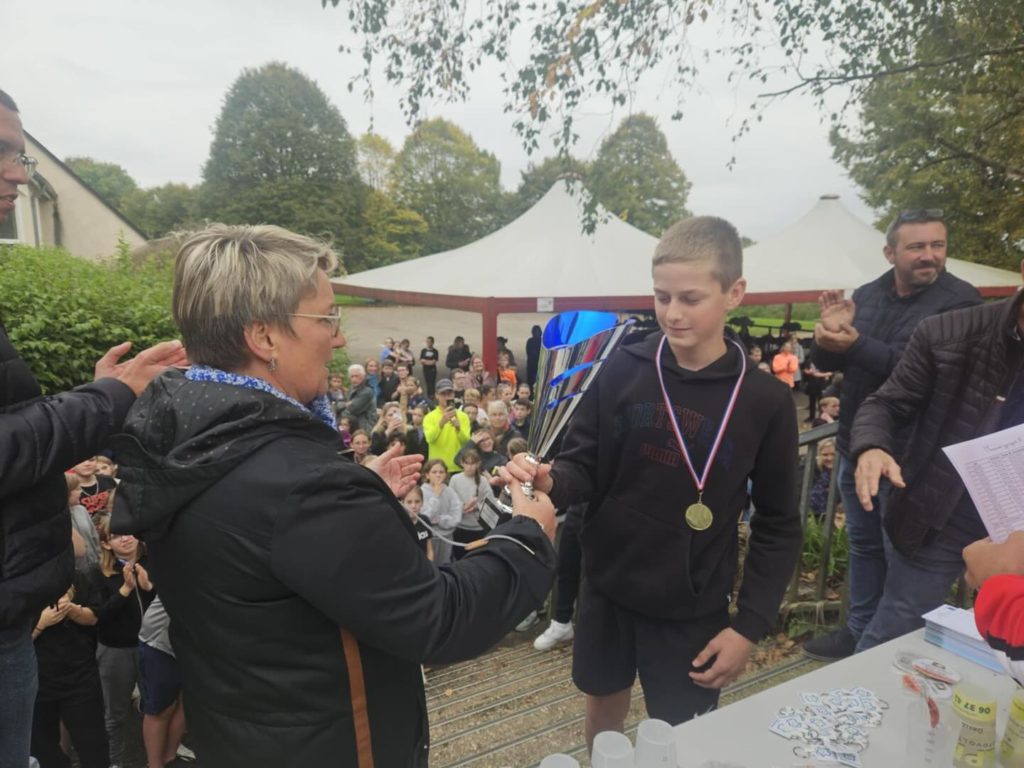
(580, 49)
(538, 178)
(159, 210)
(376, 155)
(441, 174)
(635, 176)
(393, 234)
(932, 140)
(108, 180)
(282, 154)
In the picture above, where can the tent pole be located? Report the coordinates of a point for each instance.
(788, 317)
(490, 338)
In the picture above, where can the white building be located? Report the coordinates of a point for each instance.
(57, 208)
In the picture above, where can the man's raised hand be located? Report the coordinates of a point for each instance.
(836, 310)
(144, 367)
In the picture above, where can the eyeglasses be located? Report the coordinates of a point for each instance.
(333, 320)
(920, 214)
(10, 156)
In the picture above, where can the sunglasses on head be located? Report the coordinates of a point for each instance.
(921, 214)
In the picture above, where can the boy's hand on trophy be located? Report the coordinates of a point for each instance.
(539, 508)
(527, 470)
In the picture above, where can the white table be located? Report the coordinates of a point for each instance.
(738, 733)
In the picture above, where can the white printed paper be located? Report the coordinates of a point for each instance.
(992, 468)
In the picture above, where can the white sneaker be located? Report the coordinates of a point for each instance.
(185, 754)
(553, 635)
(528, 622)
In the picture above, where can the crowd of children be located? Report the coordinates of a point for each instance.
(91, 682)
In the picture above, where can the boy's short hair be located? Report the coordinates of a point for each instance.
(524, 403)
(827, 401)
(516, 445)
(703, 238)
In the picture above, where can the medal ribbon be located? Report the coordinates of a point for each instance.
(700, 481)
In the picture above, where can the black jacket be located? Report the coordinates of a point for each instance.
(119, 617)
(264, 542)
(945, 385)
(620, 455)
(361, 407)
(41, 437)
(885, 322)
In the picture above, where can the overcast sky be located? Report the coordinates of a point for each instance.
(141, 85)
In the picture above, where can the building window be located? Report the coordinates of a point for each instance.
(9, 229)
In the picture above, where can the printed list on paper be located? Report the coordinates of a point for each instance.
(992, 468)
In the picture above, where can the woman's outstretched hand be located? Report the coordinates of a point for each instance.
(401, 473)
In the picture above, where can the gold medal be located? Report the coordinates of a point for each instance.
(699, 516)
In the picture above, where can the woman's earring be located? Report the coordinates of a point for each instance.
(272, 365)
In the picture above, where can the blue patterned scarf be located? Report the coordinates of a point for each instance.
(320, 407)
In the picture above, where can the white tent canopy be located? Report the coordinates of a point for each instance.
(829, 247)
(544, 253)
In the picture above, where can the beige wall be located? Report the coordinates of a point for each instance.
(88, 227)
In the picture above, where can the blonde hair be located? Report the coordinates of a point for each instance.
(108, 560)
(382, 425)
(228, 277)
(703, 238)
(827, 401)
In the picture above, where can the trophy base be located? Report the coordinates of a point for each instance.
(494, 512)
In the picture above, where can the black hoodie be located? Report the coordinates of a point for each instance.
(621, 455)
(265, 541)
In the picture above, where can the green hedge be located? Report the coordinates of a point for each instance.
(62, 313)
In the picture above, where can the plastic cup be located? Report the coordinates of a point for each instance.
(655, 745)
(559, 761)
(928, 746)
(611, 750)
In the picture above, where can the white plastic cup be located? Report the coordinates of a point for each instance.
(611, 750)
(655, 745)
(927, 746)
(559, 761)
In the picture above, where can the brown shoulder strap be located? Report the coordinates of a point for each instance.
(357, 687)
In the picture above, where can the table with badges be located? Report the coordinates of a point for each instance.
(855, 712)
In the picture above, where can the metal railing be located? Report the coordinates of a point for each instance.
(810, 442)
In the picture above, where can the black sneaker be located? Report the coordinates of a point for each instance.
(831, 647)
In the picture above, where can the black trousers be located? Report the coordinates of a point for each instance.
(81, 709)
(430, 378)
(567, 573)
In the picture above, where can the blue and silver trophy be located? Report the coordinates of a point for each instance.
(574, 347)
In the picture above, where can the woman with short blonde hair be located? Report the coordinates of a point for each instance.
(301, 605)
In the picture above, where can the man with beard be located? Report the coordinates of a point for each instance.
(864, 337)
